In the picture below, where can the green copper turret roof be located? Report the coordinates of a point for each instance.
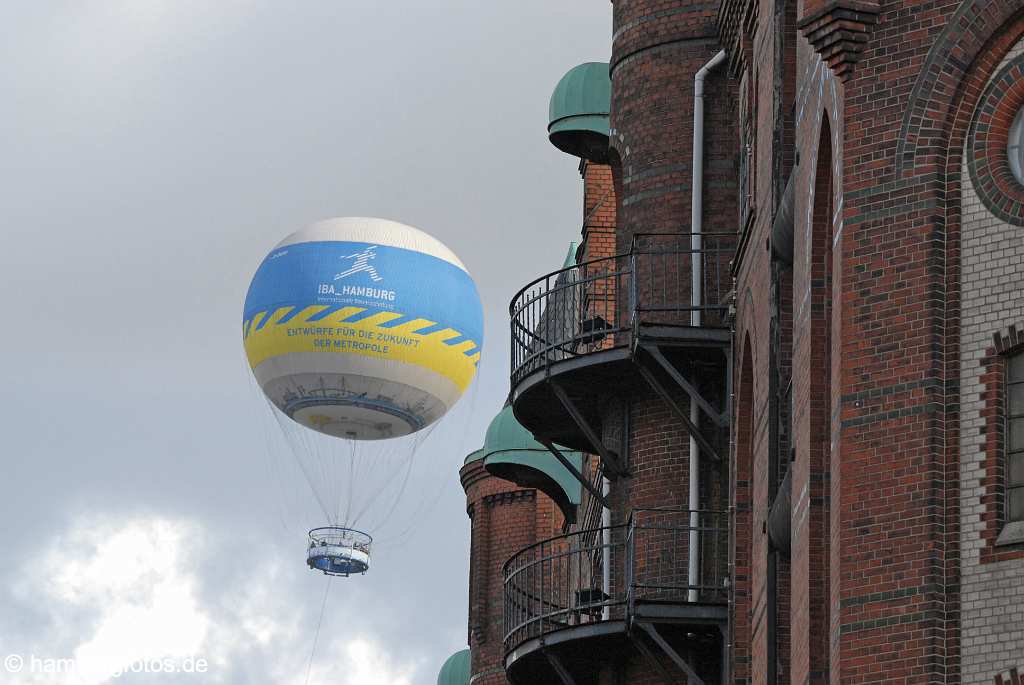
(578, 112)
(511, 453)
(570, 256)
(455, 670)
(475, 455)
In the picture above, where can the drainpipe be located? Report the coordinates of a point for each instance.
(606, 550)
(696, 297)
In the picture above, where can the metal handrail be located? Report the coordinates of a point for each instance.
(660, 538)
(340, 537)
(571, 311)
(595, 305)
(557, 583)
(711, 235)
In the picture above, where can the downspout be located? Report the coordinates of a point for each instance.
(696, 298)
(606, 551)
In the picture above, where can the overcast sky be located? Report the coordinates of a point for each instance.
(153, 151)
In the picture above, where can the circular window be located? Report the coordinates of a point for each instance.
(1015, 146)
(995, 144)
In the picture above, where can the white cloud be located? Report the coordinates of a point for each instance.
(133, 585)
(359, 661)
(103, 560)
(124, 591)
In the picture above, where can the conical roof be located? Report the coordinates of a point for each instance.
(455, 670)
(578, 112)
(511, 453)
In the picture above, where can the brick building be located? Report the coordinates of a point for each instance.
(785, 368)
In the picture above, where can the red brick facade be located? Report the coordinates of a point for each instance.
(875, 516)
(504, 519)
(598, 235)
(850, 360)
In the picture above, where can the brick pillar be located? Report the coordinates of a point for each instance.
(740, 624)
(598, 211)
(812, 422)
(505, 519)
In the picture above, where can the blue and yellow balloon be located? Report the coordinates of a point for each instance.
(363, 328)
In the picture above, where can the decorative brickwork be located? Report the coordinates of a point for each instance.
(987, 144)
(940, 76)
(993, 462)
(737, 21)
(839, 31)
(1011, 677)
(1006, 340)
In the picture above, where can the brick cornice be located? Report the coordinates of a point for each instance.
(472, 473)
(839, 30)
(736, 23)
(509, 497)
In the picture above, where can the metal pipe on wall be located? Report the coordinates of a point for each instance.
(696, 297)
(606, 550)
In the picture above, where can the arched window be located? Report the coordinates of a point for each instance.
(1015, 146)
(1015, 437)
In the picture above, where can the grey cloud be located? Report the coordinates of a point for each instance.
(154, 151)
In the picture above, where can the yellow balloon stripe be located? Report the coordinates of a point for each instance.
(367, 337)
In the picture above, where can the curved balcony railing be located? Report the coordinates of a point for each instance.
(596, 305)
(601, 574)
(559, 583)
(569, 312)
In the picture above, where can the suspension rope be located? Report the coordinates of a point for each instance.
(295, 453)
(316, 635)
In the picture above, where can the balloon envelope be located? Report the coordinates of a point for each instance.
(362, 328)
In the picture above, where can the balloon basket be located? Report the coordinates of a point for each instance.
(338, 551)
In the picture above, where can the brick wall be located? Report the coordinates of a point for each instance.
(992, 579)
(741, 502)
(878, 504)
(895, 509)
(598, 235)
(657, 48)
(762, 39)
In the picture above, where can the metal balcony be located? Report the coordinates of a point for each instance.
(572, 600)
(576, 332)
